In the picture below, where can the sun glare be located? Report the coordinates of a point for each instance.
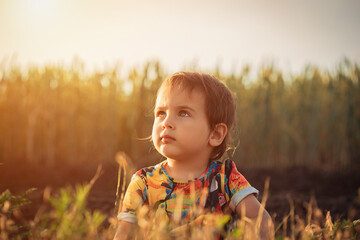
(38, 5)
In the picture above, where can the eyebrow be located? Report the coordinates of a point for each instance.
(185, 107)
(177, 107)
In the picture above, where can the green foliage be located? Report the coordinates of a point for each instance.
(10, 226)
(346, 228)
(69, 218)
(16, 201)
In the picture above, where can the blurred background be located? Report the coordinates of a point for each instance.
(78, 78)
(78, 81)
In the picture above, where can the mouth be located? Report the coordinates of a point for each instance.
(166, 139)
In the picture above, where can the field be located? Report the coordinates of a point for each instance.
(332, 191)
(58, 124)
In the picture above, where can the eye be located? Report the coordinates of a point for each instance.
(160, 113)
(184, 114)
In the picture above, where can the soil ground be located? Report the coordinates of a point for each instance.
(337, 192)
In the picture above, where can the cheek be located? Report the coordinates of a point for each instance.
(154, 132)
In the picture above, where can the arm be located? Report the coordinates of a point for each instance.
(251, 206)
(133, 199)
(124, 230)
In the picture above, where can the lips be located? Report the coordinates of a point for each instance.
(166, 138)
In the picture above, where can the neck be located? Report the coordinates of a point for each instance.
(185, 170)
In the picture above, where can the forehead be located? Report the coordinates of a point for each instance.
(181, 96)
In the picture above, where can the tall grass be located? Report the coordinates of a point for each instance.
(64, 216)
(58, 115)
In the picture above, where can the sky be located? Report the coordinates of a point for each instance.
(228, 34)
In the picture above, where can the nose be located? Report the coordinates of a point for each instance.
(167, 123)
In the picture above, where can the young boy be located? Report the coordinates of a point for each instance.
(194, 115)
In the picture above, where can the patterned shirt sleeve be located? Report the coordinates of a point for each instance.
(135, 197)
(238, 186)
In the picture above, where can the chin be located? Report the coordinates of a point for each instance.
(168, 154)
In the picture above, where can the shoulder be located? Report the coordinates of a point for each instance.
(224, 170)
(148, 172)
(229, 163)
(223, 167)
(141, 179)
(228, 172)
(230, 167)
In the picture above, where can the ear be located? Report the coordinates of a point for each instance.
(217, 135)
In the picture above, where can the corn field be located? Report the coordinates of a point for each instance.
(61, 115)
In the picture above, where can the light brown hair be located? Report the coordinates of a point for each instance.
(219, 101)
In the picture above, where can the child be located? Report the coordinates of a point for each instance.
(194, 115)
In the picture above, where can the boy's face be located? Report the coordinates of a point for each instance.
(181, 129)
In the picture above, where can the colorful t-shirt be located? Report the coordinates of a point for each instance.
(219, 188)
